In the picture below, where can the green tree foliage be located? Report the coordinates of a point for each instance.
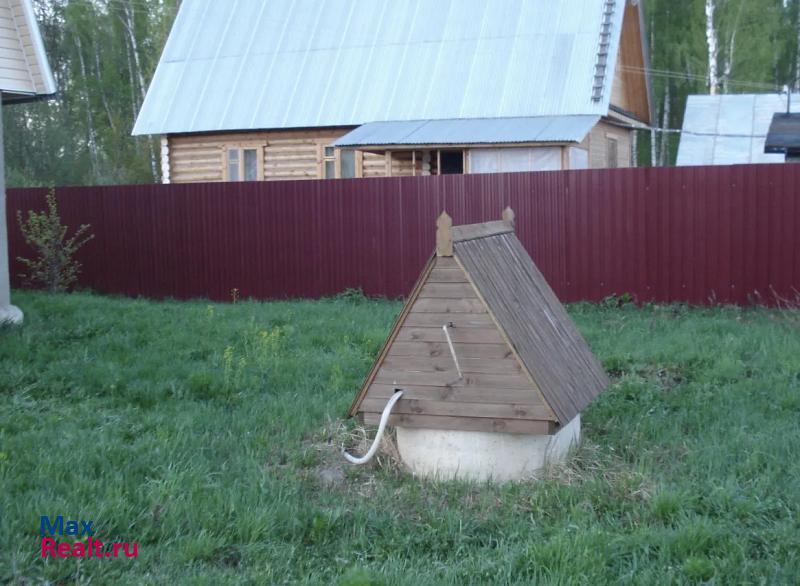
(757, 53)
(104, 53)
(54, 267)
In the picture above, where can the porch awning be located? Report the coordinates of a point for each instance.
(476, 131)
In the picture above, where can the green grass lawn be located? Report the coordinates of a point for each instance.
(208, 434)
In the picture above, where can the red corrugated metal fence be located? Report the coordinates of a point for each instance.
(697, 234)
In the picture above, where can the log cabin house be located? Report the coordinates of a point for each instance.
(252, 90)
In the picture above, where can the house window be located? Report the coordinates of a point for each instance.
(347, 164)
(339, 164)
(234, 169)
(612, 152)
(250, 164)
(451, 162)
(245, 163)
(329, 162)
(514, 159)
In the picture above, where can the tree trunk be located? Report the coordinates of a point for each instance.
(92, 138)
(134, 101)
(653, 147)
(713, 47)
(729, 63)
(103, 95)
(796, 84)
(665, 126)
(130, 27)
(654, 123)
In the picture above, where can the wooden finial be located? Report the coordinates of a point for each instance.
(444, 235)
(508, 215)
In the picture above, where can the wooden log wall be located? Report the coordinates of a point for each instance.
(288, 156)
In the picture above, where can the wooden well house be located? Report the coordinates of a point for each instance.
(487, 358)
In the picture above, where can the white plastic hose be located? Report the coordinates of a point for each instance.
(446, 329)
(387, 411)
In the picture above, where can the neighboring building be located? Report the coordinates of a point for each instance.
(294, 89)
(24, 75)
(24, 71)
(783, 137)
(730, 129)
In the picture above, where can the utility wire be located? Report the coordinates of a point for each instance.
(664, 73)
(647, 128)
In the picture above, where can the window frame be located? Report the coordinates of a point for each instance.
(615, 140)
(241, 147)
(340, 162)
(333, 158)
(336, 159)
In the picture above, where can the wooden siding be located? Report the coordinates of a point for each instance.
(417, 358)
(287, 155)
(597, 144)
(483, 424)
(374, 165)
(16, 50)
(629, 91)
(619, 89)
(27, 45)
(296, 155)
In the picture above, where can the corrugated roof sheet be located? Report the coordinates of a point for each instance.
(252, 64)
(730, 129)
(474, 131)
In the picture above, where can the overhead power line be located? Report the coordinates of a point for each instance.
(665, 73)
(648, 128)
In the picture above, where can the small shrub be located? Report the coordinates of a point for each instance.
(617, 301)
(354, 296)
(54, 267)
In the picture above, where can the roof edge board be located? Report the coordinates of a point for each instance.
(387, 344)
(386, 133)
(39, 50)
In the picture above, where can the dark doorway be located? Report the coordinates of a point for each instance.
(452, 163)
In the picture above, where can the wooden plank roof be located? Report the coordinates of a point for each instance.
(526, 308)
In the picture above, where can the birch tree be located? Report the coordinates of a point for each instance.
(713, 46)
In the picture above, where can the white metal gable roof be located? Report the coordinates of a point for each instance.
(24, 70)
(730, 129)
(262, 64)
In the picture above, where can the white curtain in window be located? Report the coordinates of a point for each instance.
(515, 160)
(578, 158)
